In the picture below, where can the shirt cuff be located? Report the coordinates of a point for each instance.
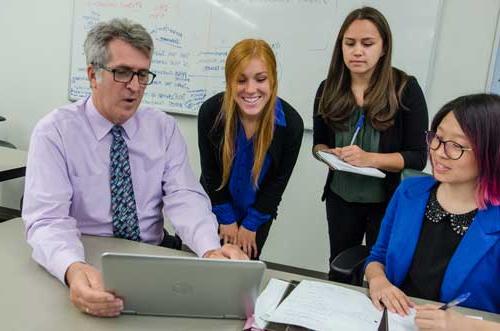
(206, 238)
(65, 259)
(225, 213)
(255, 219)
(370, 259)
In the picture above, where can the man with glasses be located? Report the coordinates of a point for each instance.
(105, 166)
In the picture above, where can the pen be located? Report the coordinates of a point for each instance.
(359, 124)
(458, 300)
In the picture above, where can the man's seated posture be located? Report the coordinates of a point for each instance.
(103, 166)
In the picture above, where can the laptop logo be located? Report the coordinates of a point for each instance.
(182, 288)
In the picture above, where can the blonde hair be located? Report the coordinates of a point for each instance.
(237, 60)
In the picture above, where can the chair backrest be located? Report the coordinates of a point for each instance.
(4, 143)
(406, 173)
(7, 213)
(7, 144)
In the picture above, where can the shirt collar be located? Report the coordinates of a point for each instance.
(241, 138)
(279, 114)
(101, 126)
(279, 119)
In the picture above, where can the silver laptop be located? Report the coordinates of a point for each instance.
(183, 286)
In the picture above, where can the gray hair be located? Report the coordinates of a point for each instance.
(98, 38)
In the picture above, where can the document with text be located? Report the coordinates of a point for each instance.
(336, 163)
(323, 306)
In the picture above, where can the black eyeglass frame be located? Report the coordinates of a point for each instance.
(134, 73)
(431, 135)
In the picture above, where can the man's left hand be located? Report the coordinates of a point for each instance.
(228, 251)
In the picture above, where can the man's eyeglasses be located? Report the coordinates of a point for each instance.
(452, 149)
(124, 75)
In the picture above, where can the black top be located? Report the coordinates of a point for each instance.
(406, 136)
(284, 150)
(439, 237)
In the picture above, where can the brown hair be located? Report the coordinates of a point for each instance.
(383, 95)
(237, 60)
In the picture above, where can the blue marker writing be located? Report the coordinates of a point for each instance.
(458, 300)
(359, 124)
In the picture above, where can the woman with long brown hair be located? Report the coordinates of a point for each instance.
(362, 83)
(249, 140)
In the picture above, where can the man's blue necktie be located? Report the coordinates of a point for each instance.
(125, 221)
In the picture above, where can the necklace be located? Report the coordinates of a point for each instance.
(459, 223)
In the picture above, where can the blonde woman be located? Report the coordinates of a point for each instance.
(249, 140)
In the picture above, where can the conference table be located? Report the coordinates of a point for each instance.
(31, 299)
(12, 163)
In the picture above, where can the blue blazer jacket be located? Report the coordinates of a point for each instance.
(475, 265)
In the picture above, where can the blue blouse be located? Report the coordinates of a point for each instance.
(241, 186)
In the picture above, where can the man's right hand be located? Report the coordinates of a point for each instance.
(228, 233)
(87, 291)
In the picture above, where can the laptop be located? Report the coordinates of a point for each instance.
(183, 286)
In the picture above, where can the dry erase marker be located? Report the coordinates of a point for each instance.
(359, 124)
(458, 300)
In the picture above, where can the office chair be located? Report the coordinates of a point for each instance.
(172, 241)
(350, 262)
(7, 213)
(4, 143)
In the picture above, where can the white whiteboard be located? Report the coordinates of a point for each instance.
(193, 37)
(493, 85)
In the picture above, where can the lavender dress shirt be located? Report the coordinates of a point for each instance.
(67, 190)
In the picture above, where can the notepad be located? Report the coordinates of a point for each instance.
(336, 163)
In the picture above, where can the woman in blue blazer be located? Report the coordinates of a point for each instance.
(440, 236)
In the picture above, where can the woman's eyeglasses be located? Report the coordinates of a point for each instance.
(452, 149)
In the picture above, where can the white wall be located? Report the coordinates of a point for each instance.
(34, 79)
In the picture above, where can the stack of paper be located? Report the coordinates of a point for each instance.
(323, 306)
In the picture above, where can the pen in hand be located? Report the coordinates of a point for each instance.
(359, 124)
(458, 300)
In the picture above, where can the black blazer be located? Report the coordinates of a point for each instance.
(406, 136)
(284, 150)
